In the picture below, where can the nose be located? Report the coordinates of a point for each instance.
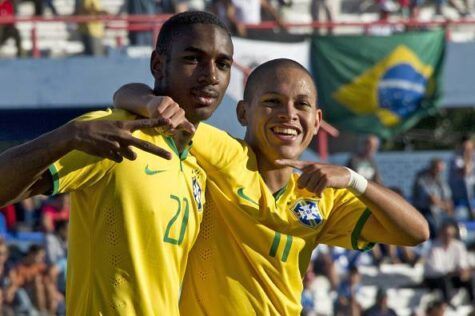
(209, 75)
(288, 112)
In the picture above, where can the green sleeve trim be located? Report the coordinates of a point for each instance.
(275, 245)
(55, 176)
(355, 235)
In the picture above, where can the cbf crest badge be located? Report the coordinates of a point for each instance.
(197, 192)
(307, 212)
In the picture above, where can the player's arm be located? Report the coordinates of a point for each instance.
(23, 168)
(138, 98)
(214, 148)
(393, 220)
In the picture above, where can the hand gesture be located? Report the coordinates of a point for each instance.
(316, 176)
(113, 139)
(166, 108)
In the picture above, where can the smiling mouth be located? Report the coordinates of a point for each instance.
(285, 134)
(285, 131)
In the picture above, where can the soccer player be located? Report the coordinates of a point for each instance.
(262, 220)
(134, 221)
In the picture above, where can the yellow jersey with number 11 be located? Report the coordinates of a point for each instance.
(254, 247)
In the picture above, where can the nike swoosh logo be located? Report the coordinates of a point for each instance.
(151, 172)
(241, 193)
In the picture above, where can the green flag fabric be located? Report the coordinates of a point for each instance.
(378, 84)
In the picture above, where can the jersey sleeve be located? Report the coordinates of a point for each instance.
(215, 149)
(77, 169)
(345, 222)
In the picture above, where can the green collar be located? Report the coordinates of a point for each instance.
(169, 140)
(279, 193)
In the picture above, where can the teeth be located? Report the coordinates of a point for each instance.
(285, 131)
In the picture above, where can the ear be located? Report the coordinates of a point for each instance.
(318, 121)
(241, 111)
(157, 65)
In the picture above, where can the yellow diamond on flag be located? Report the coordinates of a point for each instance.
(392, 90)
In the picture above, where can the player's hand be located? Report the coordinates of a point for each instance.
(166, 108)
(316, 177)
(113, 139)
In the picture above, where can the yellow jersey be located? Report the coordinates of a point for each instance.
(132, 225)
(254, 247)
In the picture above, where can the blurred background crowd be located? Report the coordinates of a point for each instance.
(242, 17)
(33, 250)
(432, 164)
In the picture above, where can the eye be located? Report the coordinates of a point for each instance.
(303, 104)
(191, 58)
(271, 102)
(223, 65)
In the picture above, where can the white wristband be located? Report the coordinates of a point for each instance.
(357, 184)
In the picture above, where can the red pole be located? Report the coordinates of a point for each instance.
(448, 34)
(323, 144)
(35, 52)
(118, 41)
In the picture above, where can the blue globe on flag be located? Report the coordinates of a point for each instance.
(401, 89)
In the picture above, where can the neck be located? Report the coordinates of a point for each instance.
(182, 138)
(275, 177)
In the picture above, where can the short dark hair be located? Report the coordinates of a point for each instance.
(179, 23)
(261, 70)
(34, 249)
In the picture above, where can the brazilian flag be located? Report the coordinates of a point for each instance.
(378, 84)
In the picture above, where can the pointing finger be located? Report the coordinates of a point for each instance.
(146, 123)
(149, 147)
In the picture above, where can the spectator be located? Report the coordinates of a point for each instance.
(30, 287)
(404, 8)
(316, 7)
(142, 7)
(436, 308)
(56, 255)
(346, 303)
(51, 6)
(92, 32)
(415, 8)
(308, 294)
(190, 5)
(29, 212)
(432, 195)
(9, 30)
(323, 264)
(462, 176)
(382, 28)
(56, 244)
(5, 309)
(54, 209)
(166, 6)
(238, 13)
(447, 266)
(363, 162)
(439, 4)
(9, 214)
(380, 308)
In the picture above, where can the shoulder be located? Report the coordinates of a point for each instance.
(108, 114)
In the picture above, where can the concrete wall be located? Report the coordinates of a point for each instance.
(90, 82)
